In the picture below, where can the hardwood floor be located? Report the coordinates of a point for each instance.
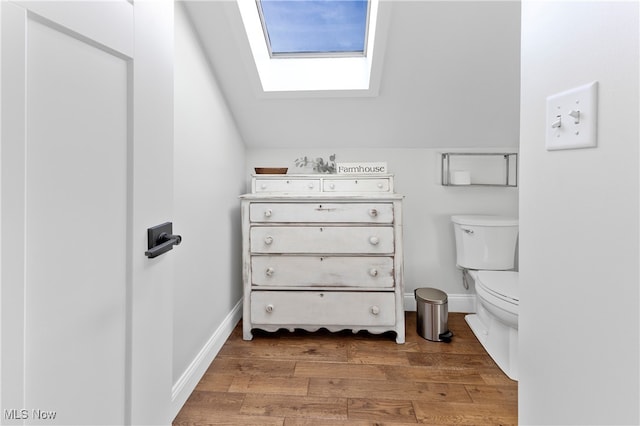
(343, 378)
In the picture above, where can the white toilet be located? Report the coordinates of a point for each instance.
(485, 249)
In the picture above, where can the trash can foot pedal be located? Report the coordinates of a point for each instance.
(445, 337)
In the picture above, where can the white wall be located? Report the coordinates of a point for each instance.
(209, 176)
(428, 234)
(579, 300)
(450, 77)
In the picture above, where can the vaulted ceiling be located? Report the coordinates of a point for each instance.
(450, 78)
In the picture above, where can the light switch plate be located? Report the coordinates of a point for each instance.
(572, 118)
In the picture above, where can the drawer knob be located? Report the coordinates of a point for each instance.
(373, 212)
(268, 213)
(374, 240)
(373, 272)
(375, 310)
(269, 271)
(269, 308)
(268, 240)
(380, 185)
(310, 185)
(263, 186)
(332, 185)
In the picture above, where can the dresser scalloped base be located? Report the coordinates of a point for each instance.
(248, 335)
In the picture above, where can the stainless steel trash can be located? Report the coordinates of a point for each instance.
(433, 314)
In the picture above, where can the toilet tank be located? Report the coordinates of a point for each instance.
(485, 242)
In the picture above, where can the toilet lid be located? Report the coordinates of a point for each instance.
(501, 283)
(484, 220)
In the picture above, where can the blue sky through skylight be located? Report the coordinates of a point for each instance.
(315, 26)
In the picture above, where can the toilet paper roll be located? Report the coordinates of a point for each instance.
(460, 177)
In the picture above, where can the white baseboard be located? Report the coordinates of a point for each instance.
(187, 382)
(455, 303)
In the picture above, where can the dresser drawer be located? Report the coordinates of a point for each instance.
(321, 212)
(287, 185)
(306, 271)
(322, 239)
(323, 308)
(357, 185)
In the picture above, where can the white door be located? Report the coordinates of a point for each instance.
(86, 137)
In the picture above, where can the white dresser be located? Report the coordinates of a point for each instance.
(322, 251)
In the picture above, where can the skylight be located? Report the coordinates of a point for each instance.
(319, 70)
(315, 27)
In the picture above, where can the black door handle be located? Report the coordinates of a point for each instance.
(160, 239)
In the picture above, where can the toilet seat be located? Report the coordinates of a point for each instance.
(500, 284)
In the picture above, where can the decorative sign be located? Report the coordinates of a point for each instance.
(361, 168)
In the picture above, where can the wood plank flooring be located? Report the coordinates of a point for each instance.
(325, 378)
